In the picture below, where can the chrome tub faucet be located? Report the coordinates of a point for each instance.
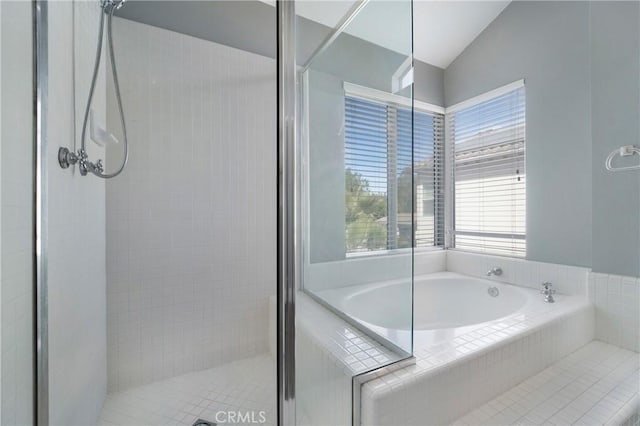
(548, 292)
(495, 271)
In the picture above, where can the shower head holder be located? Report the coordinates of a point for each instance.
(110, 5)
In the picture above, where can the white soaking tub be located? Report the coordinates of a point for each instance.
(470, 342)
(445, 305)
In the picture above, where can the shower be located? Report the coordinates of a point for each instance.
(66, 157)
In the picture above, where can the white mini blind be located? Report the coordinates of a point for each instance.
(382, 144)
(366, 161)
(428, 170)
(489, 181)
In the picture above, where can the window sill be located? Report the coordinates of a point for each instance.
(389, 253)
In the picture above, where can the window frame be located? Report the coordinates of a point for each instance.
(450, 207)
(396, 102)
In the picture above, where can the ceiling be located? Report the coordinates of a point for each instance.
(442, 29)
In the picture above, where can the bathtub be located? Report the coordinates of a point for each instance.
(445, 305)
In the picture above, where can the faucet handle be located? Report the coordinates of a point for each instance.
(546, 288)
(495, 271)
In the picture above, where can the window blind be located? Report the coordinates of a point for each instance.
(384, 193)
(487, 142)
(365, 175)
(428, 169)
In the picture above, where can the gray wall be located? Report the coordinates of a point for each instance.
(581, 63)
(615, 84)
(326, 167)
(428, 83)
(251, 25)
(247, 25)
(348, 59)
(546, 43)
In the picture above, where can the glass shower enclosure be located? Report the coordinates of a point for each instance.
(206, 280)
(358, 189)
(357, 137)
(159, 295)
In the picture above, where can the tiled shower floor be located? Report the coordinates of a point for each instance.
(243, 386)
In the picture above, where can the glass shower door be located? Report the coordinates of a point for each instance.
(354, 308)
(162, 279)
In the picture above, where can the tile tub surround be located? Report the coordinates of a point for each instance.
(373, 269)
(526, 273)
(359, 270)
(595, 385)
(190, 265)
(452, 377)
(617, 302)
(329, 353)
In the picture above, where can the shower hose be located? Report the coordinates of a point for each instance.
(97, 171)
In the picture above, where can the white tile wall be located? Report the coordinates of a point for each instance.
(617, 302)
(565, 279)
(596, 385)
(429, 262)
(323, 387)
(191, 221)
(76, 238)
(16, 189)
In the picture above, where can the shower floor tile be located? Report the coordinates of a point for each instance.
(241, 388)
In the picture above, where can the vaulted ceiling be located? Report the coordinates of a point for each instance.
(442, 29)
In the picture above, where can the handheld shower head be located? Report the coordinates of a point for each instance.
(66, 158)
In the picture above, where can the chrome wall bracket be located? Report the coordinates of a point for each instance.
(67, 158)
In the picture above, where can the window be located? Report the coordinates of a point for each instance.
(379, 181)
(487, 142)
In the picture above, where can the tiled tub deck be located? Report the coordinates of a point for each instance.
(454, 375)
